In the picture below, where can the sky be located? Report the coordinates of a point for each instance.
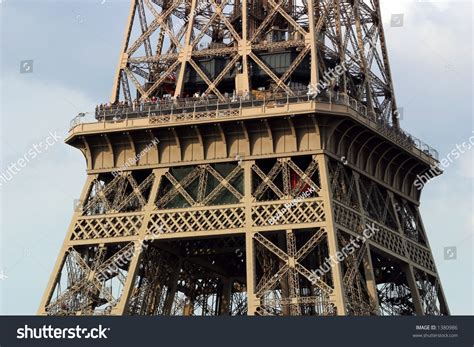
(74, 46)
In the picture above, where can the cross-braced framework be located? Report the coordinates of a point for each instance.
(276, 202)
(91, 281)
(429, 288)
(216, 47)
(393, 290)
(359, 301)
(286, 284)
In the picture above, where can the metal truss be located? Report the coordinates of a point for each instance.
(410, 221)
(394, 292)
(206, 270)
(187, 281)
(363, 204)
(285, 180)
(286, 286)
(149, 294)
(202, 185)
(359, 301)
(377, 203)
(91, 280)
(343, 185)
(430, 294)
(121, 193)
(375, 200)
(226, 45)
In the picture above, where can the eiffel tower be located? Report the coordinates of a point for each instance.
(250, 162)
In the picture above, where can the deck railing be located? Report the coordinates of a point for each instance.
(171, 108)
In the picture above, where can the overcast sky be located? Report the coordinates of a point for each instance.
(74, 46)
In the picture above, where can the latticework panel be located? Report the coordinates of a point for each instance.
(156, 118)
(376, 202)
(389, 240)
(348, 218)
(379, 210)
(281, 214)
(196, 220)
(420, 255)
(87, 228)
(385, 237)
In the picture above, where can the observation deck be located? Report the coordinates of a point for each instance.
(192, 111)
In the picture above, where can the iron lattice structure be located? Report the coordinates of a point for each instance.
(239, 201)
(218, 47)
